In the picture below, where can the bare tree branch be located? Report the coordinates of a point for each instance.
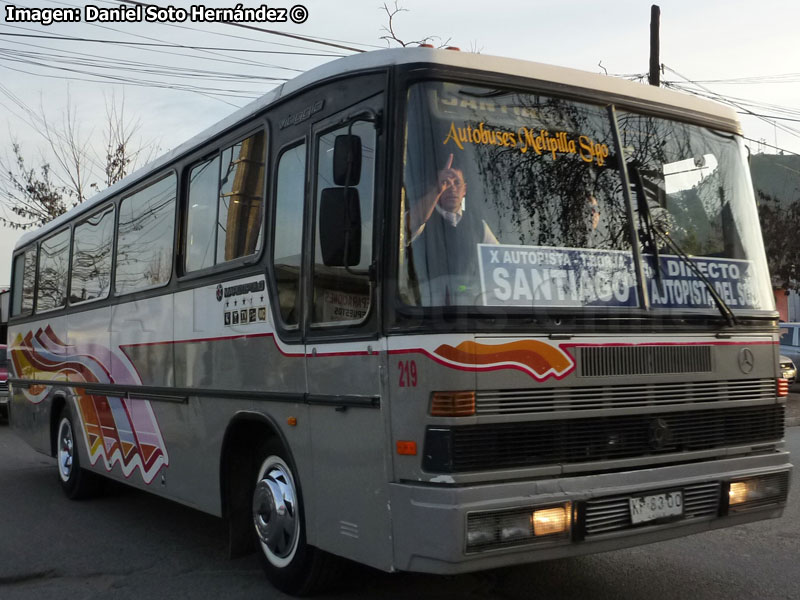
(30, 195)
(33, 196)
(391, 36)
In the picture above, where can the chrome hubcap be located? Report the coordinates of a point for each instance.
(66, 449)
(275, 512)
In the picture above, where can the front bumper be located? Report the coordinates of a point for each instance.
(430, 521)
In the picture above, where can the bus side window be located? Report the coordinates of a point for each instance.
(225, 209)
(288, 235)
(241, 198)
(145, 237)
(342, 295)
(24, 282)
(53, 271)
(201, 215)
(92, 243)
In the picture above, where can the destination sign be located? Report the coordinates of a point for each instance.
(580, 277)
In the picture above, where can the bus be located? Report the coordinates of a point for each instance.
(421, 309)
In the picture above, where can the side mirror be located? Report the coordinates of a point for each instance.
(347, 160)
(340, 227)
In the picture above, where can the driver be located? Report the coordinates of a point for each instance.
(444, 236)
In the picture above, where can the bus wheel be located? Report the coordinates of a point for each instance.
(76, 482)
(291, 565)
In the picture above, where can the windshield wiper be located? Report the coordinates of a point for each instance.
(652, 227)
(647, 227)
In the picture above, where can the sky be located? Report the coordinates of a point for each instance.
(742, 50)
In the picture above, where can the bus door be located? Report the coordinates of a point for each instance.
(343, 356)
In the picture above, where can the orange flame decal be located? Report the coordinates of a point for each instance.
(537, 358)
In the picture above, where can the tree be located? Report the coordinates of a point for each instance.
(779, 226)
(30, 193)
(36, 195)
(391, 36)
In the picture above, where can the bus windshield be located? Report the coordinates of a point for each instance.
(515, 199)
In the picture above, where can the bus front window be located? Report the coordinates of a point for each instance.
(515, 199)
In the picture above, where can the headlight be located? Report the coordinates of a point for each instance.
(756, 492)
(501, 528)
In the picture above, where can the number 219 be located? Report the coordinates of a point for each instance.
(408, 373)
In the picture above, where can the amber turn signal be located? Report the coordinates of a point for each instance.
(406, 448)
(453, 404)
(783, 387)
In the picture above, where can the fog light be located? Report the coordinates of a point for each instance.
(480, 537)
(515, 527)
(551, 520)
(737, 493)
(518, 526)
(758, 491)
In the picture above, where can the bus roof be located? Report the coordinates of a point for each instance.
(400, 56)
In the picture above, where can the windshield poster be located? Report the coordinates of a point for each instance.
(579, 277)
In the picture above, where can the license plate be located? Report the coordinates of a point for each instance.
(656, 506)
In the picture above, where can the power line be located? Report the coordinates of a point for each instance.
(134, 66)
(763, 143)
(752, 114)
(138, 83)
(224, 59)
(239, 37)
(269, 31)
(144, 37)
(729, 101)
(165, 45)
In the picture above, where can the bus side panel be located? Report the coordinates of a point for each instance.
(89, 337)
(351, 470)
(146, 327)
(124, 431)
(231, 366)
(36, 350)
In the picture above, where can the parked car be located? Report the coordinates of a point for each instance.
(3, 383)
(790, 341)
(788, 370)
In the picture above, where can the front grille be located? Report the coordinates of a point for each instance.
(3, 386)
(610, 361)
(524, 401)
(606, 515)
(509, 445)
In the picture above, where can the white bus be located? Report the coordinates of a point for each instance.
(425, 310)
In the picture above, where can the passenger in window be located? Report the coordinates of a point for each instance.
(594, 209)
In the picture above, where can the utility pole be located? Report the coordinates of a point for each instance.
(655, 64)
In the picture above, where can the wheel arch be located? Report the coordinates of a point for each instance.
(58, 404)
(247, 430)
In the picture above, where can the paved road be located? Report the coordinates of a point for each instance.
(129, 544)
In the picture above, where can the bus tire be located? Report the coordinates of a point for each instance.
(76, 482)
(291, 565)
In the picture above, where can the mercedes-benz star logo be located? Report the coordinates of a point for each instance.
(660, 434)
(746, 360)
